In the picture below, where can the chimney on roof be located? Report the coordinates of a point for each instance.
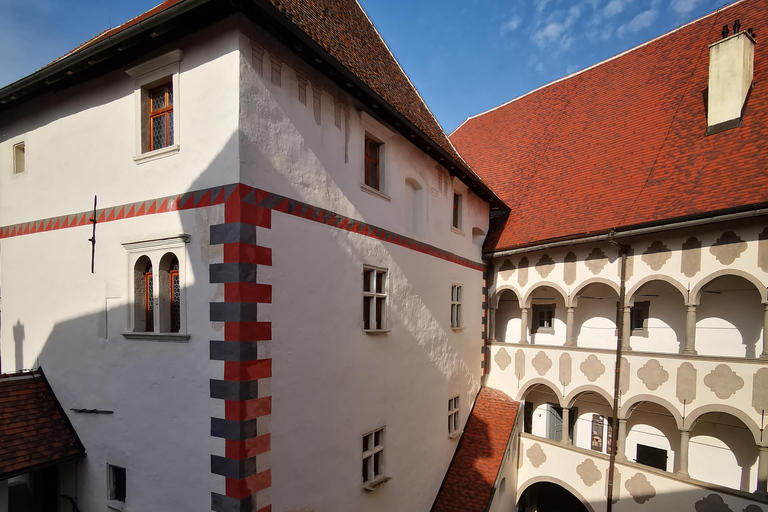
(730, 78)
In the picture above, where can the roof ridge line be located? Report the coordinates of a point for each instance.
(609, 59)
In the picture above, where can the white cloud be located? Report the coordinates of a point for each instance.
(615, 7)
(572, 68)
(510, 25)
(541, 5)
(684, 6)
(639, 22)
(556, 34)
(540, 67)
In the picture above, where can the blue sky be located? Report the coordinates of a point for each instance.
(464, 56)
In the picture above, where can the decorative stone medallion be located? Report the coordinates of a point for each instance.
(640, 488)
(653, 374)
(519, 364)
(690, 263)
(723, 381)
(507, 266)
(592, 368)
(545, 265)
(760, 390)
(712, 503)
(522, 276)
(569, 269)
(624, 370)
(686, 383)
(656, 255)
(502, 358)
(728, 248)
(536, 455)
(542, 363)
(588, 472)
(596, 261)
(565, 368)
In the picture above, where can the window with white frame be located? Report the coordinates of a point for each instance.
(374, 162)
(116, 487)
(373, 459)
(157, 98)
(456, 321)
(19, 158)
(453, 417)
(456, 219)
(157, 267)
(374, 299)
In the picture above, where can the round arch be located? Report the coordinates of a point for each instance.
(538, 380)
(626, 409)
(630, 297)
(594, 280)
(759, 285)
(552, 480)
(541, 284)
(500, 291)
(693, 417)
(587, 388)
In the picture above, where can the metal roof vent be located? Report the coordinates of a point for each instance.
(731, 63)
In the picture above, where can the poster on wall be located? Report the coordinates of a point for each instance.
(597, 432)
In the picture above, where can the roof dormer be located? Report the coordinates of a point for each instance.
(730, 77)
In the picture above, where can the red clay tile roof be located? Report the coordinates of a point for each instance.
(34, 431)
(468, 485)
(623, 143)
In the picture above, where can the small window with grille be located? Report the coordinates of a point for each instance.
(453, 417)
(160, 117)
(456, 318)
(374, 299)
(373, 460)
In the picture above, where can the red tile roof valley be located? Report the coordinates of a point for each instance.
(623, 143)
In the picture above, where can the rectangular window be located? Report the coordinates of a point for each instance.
(544, 318)
(374, 299)
(456, 306)
(372, 163)
(638, 318)
(453, 415)
(373, 455)
(161, 117)
(456, 221)
(149, 302)
(653, 457)
(175, 291)
(116, 483)
(19, 158)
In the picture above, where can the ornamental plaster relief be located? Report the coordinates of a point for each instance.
(520, 364)
(625, 370)
(728, 248)
(536, 455)
(653, 374)
(522, 276)
(690, 263)
(686, 383)
(541, 363)
(596, 261)
(640, 488)
(545, 266)
(507, 266)
(569, 268)
(762, 250)
(712, 503)
(592, 368)
(502, 359)
(656, 255)
(588, 472)
(723, 381)
(565, 368)
(760, 390)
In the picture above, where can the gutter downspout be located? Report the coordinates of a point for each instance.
(623, 250)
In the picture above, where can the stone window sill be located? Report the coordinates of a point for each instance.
(370, 190)
(116, 505)
(376, 482)
(376, 332)
(455, 435)
(156, 154)
(174, 337)
(457, 230)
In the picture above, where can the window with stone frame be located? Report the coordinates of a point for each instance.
(638, 318)
(374, 299)
(373, 163)
(543, 318)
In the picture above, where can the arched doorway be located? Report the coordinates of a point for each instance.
(549, 497)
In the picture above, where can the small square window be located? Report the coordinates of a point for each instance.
(373, 459)
(373, 163)
(544, 318)
(19, 158)
(374, 299)
(456, 220)
(116, 485)
(638, 318)
(456, 317)
(653, 457)
(453, 417)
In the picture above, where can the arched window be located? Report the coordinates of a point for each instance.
(144, 312)
(170, 294)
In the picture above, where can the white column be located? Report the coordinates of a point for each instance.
(764, 355)
(569, 340)
(690, 331)
(621, 437)
(762, 472)
(566, 437)
(492, 325)
(524, 325)
(682, 466)
(626, 329)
